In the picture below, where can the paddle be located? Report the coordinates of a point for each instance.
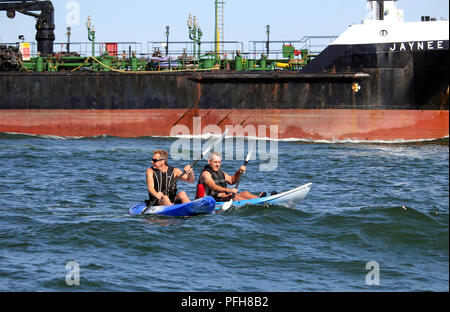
(227, 205)
(204, 153)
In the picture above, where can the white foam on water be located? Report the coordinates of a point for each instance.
(321, 141)
(252, 138)
(57, 137)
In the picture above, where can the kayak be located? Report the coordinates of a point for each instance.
(203, 205)
(288, 199)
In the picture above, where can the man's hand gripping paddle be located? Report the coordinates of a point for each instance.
(228, 205)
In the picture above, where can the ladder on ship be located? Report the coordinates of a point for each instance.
(219, 37)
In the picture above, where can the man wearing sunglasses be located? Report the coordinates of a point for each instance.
(161, 175)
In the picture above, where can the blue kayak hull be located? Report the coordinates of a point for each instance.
(287, 199)
(204, 205)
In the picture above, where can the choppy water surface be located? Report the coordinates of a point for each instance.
(67, 200)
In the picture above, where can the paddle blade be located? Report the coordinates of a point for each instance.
(148, 207)
(249, 155)
(207, 150)
(227, 205)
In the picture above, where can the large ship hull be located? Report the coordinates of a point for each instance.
(372, 91)
(331, 107)
(309, 124)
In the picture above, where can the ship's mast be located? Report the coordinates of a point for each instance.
(378, 8)
(218, 32)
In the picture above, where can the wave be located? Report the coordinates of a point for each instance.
(352, 141)
(15, 135)
(404, 213)
(441, 141)
(274, 213)
(387, 219)
(399, 227)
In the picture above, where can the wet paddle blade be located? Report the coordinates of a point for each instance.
(227, 205)
(207, 150)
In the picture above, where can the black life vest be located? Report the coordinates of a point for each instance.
(162, 181)
(203, 189)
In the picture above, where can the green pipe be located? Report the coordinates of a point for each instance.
(263, 63)
(238, 62)
(39, 64)
(107, 61)
(134, 63)
(70, 64)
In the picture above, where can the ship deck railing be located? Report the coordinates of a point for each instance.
(84, 49)
(314, 44)
(180, 47)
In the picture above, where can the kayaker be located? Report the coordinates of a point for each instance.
(213, 182)
(161, 175)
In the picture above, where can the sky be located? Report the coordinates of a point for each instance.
(245, 20)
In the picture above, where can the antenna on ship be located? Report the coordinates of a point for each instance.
(91, 33)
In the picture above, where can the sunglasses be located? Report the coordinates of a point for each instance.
(156, 160)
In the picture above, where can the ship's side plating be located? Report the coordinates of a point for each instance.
(381, 80)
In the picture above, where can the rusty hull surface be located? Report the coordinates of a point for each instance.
(375, 105)
(314, 124)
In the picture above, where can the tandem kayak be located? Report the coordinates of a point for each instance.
(288, 199)
(203, 205)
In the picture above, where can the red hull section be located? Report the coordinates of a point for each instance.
(313, 124)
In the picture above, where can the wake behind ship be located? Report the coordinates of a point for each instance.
(382, 80)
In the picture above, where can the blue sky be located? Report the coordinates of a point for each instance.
(145, 20)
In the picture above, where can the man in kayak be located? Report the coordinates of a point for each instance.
(161, 175)
(213, 182)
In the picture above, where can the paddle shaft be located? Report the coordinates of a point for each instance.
(227, 205)
(239, 181)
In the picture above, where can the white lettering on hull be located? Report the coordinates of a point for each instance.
(417, 46)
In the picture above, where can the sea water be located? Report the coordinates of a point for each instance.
(376, 219)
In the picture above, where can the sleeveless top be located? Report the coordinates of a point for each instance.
(203, 189)
(162, 181)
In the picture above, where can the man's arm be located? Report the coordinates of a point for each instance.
(233, 180)
(151, 184)
(189, 177)
(209, 181)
